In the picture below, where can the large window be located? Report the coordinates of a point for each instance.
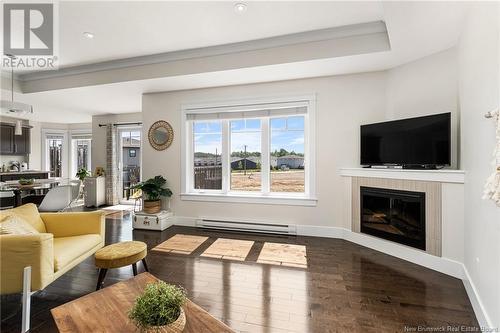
(249, 151)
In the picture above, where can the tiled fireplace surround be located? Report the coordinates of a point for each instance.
(432, 192)
(443, 204)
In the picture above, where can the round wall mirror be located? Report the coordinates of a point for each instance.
(160, 135)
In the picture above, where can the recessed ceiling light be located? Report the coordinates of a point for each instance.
(240, 7)
(88, 35)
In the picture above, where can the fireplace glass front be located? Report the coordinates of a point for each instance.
(394, 215)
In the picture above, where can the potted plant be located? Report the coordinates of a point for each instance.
(159, 309)
(26, 181)
(82, 174)
(153, 189)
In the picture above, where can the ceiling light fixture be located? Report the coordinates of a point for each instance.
(240, 7)
(88, 35)
(11, 107)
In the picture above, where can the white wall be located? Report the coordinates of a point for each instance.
(35, 162)
(99, 134)
(427, 86)
(479, 92)
(343, 102)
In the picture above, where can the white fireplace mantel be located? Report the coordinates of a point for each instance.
(442, 176)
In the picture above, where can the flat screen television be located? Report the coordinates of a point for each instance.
(423, 142)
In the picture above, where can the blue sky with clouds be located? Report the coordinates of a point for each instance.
(286, 133)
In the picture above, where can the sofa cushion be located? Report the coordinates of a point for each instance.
(67, 249)
(27, 212)
(15, 225)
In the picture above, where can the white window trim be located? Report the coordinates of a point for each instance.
(308, 198)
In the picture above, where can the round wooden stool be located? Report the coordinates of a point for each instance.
(120, 255)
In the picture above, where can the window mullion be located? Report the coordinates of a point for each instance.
(189, 157)
(225, 156)
(307, 156)
(265, 156)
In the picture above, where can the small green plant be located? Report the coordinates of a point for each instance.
(153, 188)
(24, 181)
(82, 173)
(159, 305)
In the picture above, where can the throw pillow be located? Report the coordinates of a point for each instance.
(15, 225)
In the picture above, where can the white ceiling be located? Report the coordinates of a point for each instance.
(127, 29)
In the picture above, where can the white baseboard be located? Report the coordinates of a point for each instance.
(439, 264)
(479, 309)
(318, 231)
(184, 221)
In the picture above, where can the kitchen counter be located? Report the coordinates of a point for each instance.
(27, 172)
(16, 175)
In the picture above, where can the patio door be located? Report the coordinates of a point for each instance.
(129, 154)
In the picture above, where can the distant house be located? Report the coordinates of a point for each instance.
(291, 161)
(207, 161)
(238, 163)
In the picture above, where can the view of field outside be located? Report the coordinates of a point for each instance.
(287, 147)
(286, 154)
(283, 181)
(245, 155)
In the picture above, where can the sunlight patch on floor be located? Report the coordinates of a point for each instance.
(231, 249)
(290, 255)
(283, 254)
(182, 244)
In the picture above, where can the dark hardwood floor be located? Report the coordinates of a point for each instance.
(346, 287)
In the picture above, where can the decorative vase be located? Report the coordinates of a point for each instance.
(175, 327)
(151, 206)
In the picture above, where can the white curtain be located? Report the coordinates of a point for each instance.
(492, 187)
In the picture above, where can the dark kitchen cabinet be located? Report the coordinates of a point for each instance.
(22, 145)
(18, 175)
(11, 144)
(6, 140)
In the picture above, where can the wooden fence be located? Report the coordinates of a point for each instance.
(208, 177)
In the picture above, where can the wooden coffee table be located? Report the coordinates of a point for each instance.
(106, 310)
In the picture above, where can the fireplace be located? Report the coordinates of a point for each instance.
(394, 215)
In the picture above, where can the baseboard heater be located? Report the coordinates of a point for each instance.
(246, 226)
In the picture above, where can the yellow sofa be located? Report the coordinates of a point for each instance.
(64, 240)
